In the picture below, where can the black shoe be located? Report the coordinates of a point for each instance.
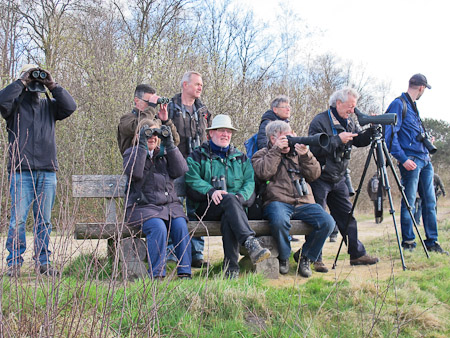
(284, 266)
(409, 246)
(13, 271)
(296, 256)
(234, 274)
(47, 270)
(304, 267)
(437, 248)
(184, 276)
(256, 252)
(293, 239)
(199, 263)
(333, 238)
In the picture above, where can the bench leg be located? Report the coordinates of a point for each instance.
(133, 253)
(269, 267)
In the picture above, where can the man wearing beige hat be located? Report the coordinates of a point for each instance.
(409, 142)
(220, 182)
(32, 166)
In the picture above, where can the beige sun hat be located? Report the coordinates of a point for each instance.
(221, 121)
(26, 68)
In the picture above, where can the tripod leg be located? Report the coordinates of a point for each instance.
(402, 191)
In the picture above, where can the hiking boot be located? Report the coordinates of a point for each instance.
(333, 238)
(296, 255)
(304, 267)
(437, 248)
(284, 266)
(13, 271)
(320, 267)
(199, 263)
(47, 270)
(233, 274)
(410, 246)
(256, 252)
(364, 260)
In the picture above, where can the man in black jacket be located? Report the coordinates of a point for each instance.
(30, 123)
(330, 189)
(191, 118)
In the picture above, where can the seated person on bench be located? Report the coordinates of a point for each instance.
(289, 196)
(152, 200)
(220, 181)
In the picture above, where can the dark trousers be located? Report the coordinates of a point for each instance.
(234, 227)
(336, 196)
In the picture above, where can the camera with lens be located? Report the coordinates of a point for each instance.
(162, 100)
(162, 132)
(425, 139)
(38, 74)
(219, 183)
(320, 139)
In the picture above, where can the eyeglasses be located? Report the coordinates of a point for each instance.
(285, 107)
(146, 101)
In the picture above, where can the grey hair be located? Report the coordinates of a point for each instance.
(187, 77)
(278, 100)
(277, 127)
(342, 95)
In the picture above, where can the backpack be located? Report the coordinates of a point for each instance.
(251, 145)
(403, 116)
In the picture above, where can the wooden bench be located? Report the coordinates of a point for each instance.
(125, 240)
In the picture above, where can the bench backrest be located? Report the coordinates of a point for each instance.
(101, 186)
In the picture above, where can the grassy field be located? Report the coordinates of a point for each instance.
(91, 300)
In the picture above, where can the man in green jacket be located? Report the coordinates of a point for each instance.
(220, 183)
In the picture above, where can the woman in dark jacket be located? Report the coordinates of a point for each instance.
(152, 200)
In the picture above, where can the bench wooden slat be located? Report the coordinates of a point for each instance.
(100, 186)
(109, 230)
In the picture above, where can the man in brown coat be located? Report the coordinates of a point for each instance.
(288, 195)
(145, 104)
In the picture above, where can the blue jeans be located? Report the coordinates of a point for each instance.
(37, 188)
(419, 180)
(155, 231)
(280, 214)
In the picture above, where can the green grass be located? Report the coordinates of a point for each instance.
(88, 302)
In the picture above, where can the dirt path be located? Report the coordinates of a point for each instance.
(64, 249)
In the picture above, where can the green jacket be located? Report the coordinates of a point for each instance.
(204, 165)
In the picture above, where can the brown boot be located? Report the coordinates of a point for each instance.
(364, 260)
(320, 267)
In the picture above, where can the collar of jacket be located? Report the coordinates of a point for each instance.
(206, 151)
(177, 102)
(340, 120)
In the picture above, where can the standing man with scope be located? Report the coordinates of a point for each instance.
(411, 145)
(330, 188)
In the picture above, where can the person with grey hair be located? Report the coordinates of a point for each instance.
(330, 188)
(288, 196)
(280, 110)
(191, 118)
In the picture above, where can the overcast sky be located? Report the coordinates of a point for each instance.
(392, 39)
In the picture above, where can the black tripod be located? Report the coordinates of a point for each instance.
(381, 156)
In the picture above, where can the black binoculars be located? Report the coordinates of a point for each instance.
(219, 183)
(38, 74)
(162, 132)
(425, 139)
(162, 100)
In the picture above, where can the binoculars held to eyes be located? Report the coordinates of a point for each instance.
(38, 74)
(163, 100)
(162, 132)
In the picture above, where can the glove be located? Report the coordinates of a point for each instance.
(167, 141)
(25, 77)
(48, 81)
(143, 137)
